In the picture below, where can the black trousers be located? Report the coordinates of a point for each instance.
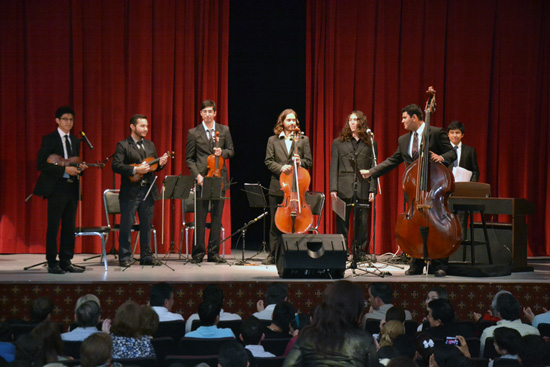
(216, 213)
(275, 236)
(62, 204)
(360, 231)
(145, 210)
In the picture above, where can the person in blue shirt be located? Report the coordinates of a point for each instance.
(209, 314)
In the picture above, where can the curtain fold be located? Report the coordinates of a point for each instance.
(378, 56)
(109, 59)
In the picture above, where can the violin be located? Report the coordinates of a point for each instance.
(153, 162)
(428, 230)
(58, 160)
(294, 215)
(214, 162)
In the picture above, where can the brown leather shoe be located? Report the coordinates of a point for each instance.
(215, 259)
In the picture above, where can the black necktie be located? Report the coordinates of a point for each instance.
(141, 149)
(415, 146)
(211, 135)
(68, 146)
(455, 163)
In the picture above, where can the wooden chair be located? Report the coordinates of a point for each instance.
(174, 329)
(72, 348)
(163, 346)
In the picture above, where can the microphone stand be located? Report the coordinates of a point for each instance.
(243, 231)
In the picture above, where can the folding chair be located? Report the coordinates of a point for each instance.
(316, 200)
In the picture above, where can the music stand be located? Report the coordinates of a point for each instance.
(174, 187)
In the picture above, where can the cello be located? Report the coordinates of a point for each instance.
(294, 215)
(428, 230)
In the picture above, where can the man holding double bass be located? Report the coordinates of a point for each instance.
(207, 139)
(278, 159)
(408, 150)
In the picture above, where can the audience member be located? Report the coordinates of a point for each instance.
(433, 293)
(283, 314)
(334, 334)
(300, 321)
(26, 350)
(506, 341)
(441, 317)
(49, 342)
(7, 348)
(86, 316)
(432, 355)
(127, 333)
(490, 314)
(161, 300)
(252, 335)
(542, 318)
(393, 313)
(212, 293)
(380, 298)
(508, 310)
(275, 294)
(41, 309)
(232, 354)
(389, 332)
(533, 351)
(209, 314)
(149, 321)
(96, 351)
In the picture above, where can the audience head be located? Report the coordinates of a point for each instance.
(425, 346)
(508, 307)
(506, 340)
(41, 308)
(127, 320)
(252, 331)
(276, 293)
(395, 313)
(391, 330)
(347, 297)
(49, 341)
(300, 321)
(283, 314)
(162, 295)
(149, 320)
(213, 293)
(88, 314)
(533, 351)
(232, 354)
(435, 293)
(209, 313)
(440, 312)
(494, 302)
(96, 350)
(86, 298)
(380, 294)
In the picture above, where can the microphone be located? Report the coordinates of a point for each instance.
(87, 141)
(369, 132)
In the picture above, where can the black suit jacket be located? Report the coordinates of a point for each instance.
(342, 173)
(51, 174)
(439, 144)
(199, 149)
(127, 153)
(468, 160)
(276, 156)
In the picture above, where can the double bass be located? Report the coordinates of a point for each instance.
(428, 230)
(294, 215)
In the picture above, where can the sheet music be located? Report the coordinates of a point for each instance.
(339, 207)
(462, 174)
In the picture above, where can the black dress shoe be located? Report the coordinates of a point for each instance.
(72, 269)
(269, 260)
(414, 271)
(55, 270)
(150, 261)
(125, 263)
(197, 259)
(215, 259)
(440, 273)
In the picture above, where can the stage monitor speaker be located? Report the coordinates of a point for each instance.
(312, 256)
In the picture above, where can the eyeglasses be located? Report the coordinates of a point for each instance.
(66, 119)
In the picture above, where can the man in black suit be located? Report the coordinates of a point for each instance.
(408, 149)
(59, 184)
(279, 157)
(353, 143)
(128, 161)
(466, 155)
(201, 143)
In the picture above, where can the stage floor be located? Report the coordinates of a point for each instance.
(176, 270)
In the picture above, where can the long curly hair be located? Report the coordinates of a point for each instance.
(362, 126)
(391, 330)
(279, 126)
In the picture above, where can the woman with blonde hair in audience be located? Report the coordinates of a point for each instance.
(390, 331)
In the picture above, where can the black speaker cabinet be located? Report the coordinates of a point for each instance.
(312, 256)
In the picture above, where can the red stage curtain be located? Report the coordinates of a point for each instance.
(489, 62)
(109, 59)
